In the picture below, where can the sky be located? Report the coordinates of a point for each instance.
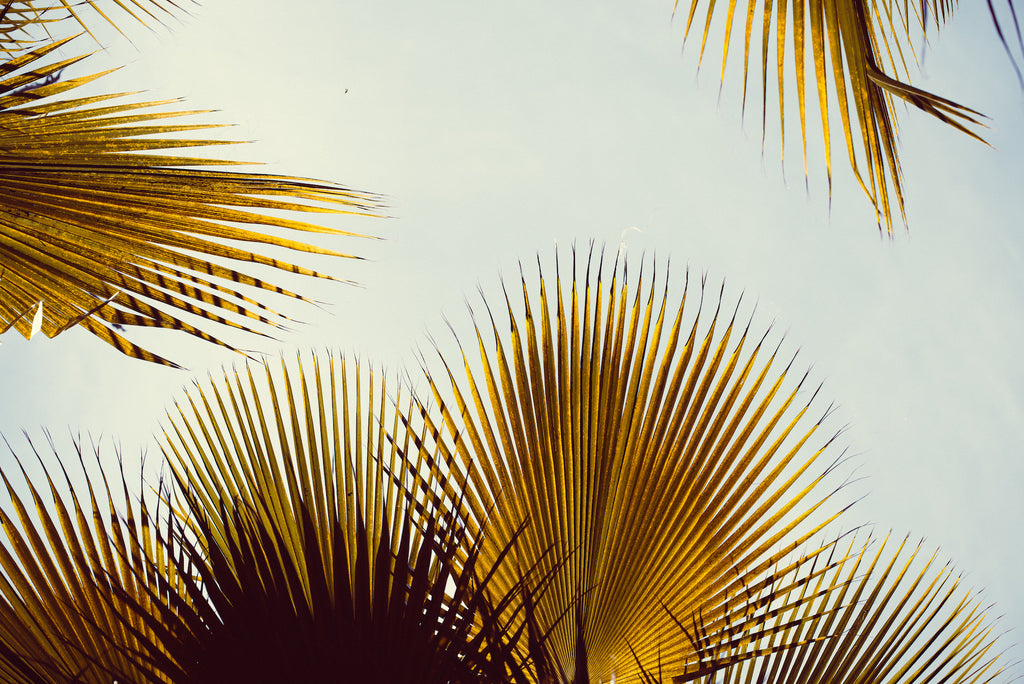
(497, 132)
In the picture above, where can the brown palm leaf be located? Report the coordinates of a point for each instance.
(66, 569)
(860, 51)
(656, 470)
(97, 231)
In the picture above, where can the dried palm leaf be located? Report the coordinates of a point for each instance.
(860, 52)
(73, 575)
(100, 233)
(657, 469)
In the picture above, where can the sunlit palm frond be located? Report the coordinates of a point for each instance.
(100, 233)
(330, 549)
(660, 469)
(18, 17)
(860, 53)
(880, 617)
(25, 22)
(75, 570)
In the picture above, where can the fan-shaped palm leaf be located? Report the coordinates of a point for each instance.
(886, 625)
(860, 51)
(73, 575)
(97, 232)
(330, 548)
(659, 469)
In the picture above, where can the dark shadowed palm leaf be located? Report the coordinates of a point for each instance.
(331, 551)
(661, 470)
(861, 51)
(98, 232)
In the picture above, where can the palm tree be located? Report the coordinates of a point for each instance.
(98, 231)
(630, 493)
(617, 487)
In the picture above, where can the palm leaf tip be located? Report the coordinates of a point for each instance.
(653, 447)
(860, 53)
(26, 23)
(110, 235)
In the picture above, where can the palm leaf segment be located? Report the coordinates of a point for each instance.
(74, 569)
(96, 231)
(657, 470)
(332, 553)
(880, 616)
(860, 50)
(20, 20)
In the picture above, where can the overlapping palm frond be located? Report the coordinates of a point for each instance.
(874, 620)
(97, 231)
(860, 50)
(625, 498)
(331, 551)
(74, 572)
(656, 469)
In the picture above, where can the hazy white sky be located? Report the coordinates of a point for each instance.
(497, 132)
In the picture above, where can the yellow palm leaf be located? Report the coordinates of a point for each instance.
(860, 52)
(883, 620)
(106, 234)
(314, 466)
(20, 18)
(75, 568)
(316, 437)
(658, 464)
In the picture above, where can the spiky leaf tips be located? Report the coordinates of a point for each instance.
(860, 51)
(27, 22)
(664, 465)
(878, 615)
(98, 232)
(324, 545)
(79, 574)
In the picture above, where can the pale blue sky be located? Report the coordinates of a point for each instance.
(499, 131)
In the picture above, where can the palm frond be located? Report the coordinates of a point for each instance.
(24, 23)
(102, 233)
(875, 619)
(323, 543)
(860, 53)
(658, 468)
(73, 573)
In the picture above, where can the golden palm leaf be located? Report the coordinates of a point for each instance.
(19, 19)
(97, 231)
(860, 52)
(307, 484)
(318, 438)
(655, 469)
(882, 620)
(67, 569)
